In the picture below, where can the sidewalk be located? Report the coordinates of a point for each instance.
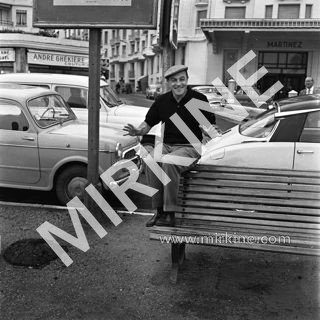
(126, 276)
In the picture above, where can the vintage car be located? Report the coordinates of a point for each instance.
(153, 91)
(44, 146)
(212, 93)
(286, 136)
(74, 90)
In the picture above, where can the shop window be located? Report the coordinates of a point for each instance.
(235, 13)
(288, 11)
(21, 18)
(268, 13)
(201, 14)
(308, 11)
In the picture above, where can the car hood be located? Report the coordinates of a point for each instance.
(130, 111)
(107, 134)
(216, 145)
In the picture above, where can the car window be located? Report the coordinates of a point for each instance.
(49, 110)
(109, 96)
(259, 127)
(46, 86)
(76, 97)
(311, 130)
(12, 117)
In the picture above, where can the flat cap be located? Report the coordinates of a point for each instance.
(175, 69)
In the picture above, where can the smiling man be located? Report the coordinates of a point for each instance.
(175, 143)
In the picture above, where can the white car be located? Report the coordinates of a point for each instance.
(74, 90)
(212, 94)
(43, 146)
(284, 137)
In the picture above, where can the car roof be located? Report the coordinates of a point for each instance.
(306, 102)
(20, 92)
(56, 78)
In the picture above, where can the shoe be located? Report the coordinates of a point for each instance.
(151, 222)
(166, 219)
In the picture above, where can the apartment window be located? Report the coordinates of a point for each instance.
(143, 44)
(201, 14)
(117, 50)
(105, 37)
(132, 47)
(124, 34)
(21, 17)
(138, 46)
(235, 12)
(124, 50)
(288, 11)
(113, 34)
(268, 14)
(308, 11)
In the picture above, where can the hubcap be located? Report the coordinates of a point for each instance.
(76, 187)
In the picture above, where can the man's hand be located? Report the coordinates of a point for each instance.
(131, 130)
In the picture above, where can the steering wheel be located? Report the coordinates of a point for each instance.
(45, 111)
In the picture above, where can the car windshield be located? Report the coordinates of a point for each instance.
(49, 110)
(109, 97)
(259, 127)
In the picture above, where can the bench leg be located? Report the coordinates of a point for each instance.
(177, 256)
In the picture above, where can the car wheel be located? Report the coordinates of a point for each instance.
(71, 183)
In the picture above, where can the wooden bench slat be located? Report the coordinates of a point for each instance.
(253, 199)
(205, 237)
(284, 230)
(253, 185)
(280, 172)
(197, 188)
(253, 221)
(248, 207)
(250, 215)
(248, 177)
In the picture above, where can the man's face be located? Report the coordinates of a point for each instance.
(308, 83)
(178, 83)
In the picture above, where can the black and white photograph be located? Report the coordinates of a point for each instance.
(159, 159)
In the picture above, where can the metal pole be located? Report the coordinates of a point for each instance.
(93, 109)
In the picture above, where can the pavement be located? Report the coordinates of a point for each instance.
(126, 276)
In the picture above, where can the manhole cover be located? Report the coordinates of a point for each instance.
(33, 253)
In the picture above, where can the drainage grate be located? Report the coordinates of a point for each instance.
(33, 253)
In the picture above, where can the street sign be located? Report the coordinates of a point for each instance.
(105, 14)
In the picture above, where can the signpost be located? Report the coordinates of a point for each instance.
(95, 15)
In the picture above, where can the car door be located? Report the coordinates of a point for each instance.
(19, 154)
(307, 149)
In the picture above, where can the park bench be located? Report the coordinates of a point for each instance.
(261, 209)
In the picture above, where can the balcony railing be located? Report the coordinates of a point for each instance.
(260, 24)
(6, 23)
(113, 41)
(201, 3)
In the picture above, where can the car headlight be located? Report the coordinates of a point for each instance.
(119, 150)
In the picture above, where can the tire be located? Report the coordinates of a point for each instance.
(70, 183)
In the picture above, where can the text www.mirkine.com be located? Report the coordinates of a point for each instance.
(226, 238)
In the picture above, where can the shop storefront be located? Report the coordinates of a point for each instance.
(7, 59)
(288, 56)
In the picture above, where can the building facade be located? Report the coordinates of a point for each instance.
(27, 49)
(283, 34)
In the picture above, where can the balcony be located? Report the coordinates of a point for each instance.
(210, 25)
(6, 23)
(114, 41)
(201, 3)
